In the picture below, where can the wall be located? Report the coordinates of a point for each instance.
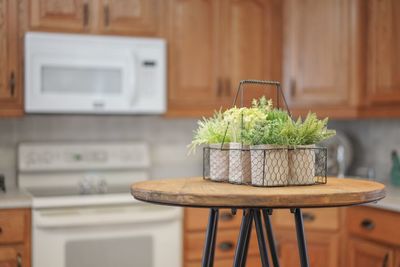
(167, 139)
(373, 139)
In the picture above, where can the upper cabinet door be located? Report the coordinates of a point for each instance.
(60, 15)
(383, 57)
(252, 42)
(316, 52)
(129, 16)
(11, 57)
(194, 65)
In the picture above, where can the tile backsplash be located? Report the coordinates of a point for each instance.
(373, 140)
(167, 139)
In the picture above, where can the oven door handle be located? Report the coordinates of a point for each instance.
(93, 217)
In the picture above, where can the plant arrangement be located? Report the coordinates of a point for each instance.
(243, 139)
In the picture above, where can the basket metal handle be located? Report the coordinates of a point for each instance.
(240, 90)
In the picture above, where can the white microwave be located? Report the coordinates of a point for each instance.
(75, 73)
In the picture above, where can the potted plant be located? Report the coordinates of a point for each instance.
(269, 153)
(240, 121)
(302, 137)
(212, 132)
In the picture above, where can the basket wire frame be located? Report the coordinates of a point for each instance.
(264, 165)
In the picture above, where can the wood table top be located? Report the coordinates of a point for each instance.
(197, 192)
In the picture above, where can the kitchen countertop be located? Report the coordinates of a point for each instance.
(391, 201)
(15, 198)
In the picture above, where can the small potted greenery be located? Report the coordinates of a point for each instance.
(212, 132)
(269, 153)
(302, 137)
(240, 121)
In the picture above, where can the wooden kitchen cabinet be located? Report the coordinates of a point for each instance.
(322, 231)
(397, 258)
(321, 60)
(118, 17)
(364, 253)
(61, 15)
(15, 237)
(195, 223)
(129, 17)
(322, 249)
(11, 57)
(383, 53)
(213, 45)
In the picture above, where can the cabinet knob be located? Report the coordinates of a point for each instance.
(385, 260)
(367, 224)
(85, 14)
(226, 216)
(19, 260)
(228, 87)
(11, 84)
(106, 15)
(308, 217)
(219, 87)
(226, 246)
(1, 230)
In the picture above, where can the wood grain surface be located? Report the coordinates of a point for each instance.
(196, 192)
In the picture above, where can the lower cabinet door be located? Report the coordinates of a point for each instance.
(364, 253)
(9, 257)
(323, 249)
(251, 262)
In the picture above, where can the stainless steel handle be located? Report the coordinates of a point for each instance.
(385, 260)
(367, 224)
(11, 84)
(226, 246)
(106, 15)
(308, 217)
(19, 260)
(85, 14)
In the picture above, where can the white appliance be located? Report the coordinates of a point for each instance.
(83, 214)
(76, 73)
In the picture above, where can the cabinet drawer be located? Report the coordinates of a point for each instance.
(374, 224)
(225, 244)
(196, 219)
(317, 219)
(252, 261)
(12, 225)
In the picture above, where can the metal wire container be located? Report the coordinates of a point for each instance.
(264, 165)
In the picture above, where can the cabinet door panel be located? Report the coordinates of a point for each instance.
(323, 249)
(252, 42)
(129, 16)
(9, 257)
(363, 253)
(193, 52)
(397, 258)
(383, 51)
(316, 52)
(60, 15)
(11, 36)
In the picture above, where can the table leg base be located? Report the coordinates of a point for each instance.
(250, 215)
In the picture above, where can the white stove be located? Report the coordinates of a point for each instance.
(83, 213)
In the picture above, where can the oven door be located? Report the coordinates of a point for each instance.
(138, 235)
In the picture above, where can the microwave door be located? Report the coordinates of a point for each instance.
(82, 85)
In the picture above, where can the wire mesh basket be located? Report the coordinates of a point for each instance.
(264, 165)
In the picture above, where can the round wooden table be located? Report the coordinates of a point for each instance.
(256, 202)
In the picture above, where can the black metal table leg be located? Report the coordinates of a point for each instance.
(301, 237)
(261, 238)
(247, 240)
(209, 245)
(243, 239)
(270, 236)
